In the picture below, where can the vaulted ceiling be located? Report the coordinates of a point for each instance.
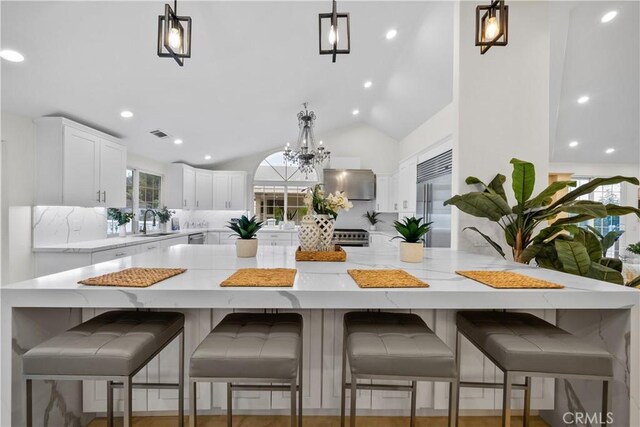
(253, 65)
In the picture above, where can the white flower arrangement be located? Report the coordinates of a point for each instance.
(316, 200)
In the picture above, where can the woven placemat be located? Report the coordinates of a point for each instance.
(261, 277)
(336, 255)
(508, 280)
(133, 277)
(385, 279)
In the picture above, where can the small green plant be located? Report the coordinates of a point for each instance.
(245, 228)
(164, 215)
(278, 214)
(372, 217)
(121, 217)
(410, 229)
(291, 214)
(634, 248)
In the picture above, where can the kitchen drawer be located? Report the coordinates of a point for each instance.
(112, 254)
(265, 235)
(182, 240)
(267, 242)
(149, 247)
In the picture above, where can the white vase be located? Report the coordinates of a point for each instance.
(164, 227)
(326, 225)
(246, 248)
(372, 228)
(308, 233)
(411, 252)
(122, 230)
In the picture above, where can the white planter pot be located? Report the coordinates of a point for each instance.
(165, 227)
(372, 228)
(122, 230)
(411, 252)
(246, 248)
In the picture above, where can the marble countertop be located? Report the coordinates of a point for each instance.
(135, 239)
(317, 285)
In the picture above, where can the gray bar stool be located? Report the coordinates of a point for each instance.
(523, 344)
(249, 348)
(394, 346)
(113, 346)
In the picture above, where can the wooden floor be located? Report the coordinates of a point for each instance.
(283, 421)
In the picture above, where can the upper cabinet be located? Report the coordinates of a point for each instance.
(229, 190)
(408, 177)
(191, 188)
(78, 166)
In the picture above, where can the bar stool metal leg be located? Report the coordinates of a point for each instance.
(193, 402)
(527, 402)
(300, 389)
(181, 381)
(453, 403)
(29, 403)
(229, 406)
(293, 403)
(506, 400)
(109, 403)
(414, 389)
(605, 402)
(128, 401)
(354, 396)
(343, 400)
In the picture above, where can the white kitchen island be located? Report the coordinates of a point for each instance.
(34, 310)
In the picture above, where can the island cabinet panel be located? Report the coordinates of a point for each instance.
(94, 393)
(164, 367)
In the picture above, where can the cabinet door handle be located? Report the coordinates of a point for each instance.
(98, 196)
(120, 253)
(185, 203)
(151, 247)
(404, 204)
(197, 203)
(104, 196)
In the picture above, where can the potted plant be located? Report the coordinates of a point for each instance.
(326, 210)
(372, 217)
(246, 229)
(411, 232)
(122, 218)
(544, 227)
(164, 216)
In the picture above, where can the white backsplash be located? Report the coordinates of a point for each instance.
(354, 219)
(205, 219)
(55, 225)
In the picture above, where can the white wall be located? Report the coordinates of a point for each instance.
(501, 107)
(18, 141)
(438, 128)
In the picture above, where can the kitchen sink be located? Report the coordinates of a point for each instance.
(155, 234)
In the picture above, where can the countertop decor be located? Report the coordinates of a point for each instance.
(133, 277)
(508, 280)
(261, 277)
(336, 255)
(385, 279)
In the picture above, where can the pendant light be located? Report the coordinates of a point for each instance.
(331, 40)
(306, 154)
(492, 25)
(174, 34)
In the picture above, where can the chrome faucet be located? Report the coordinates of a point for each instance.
(144, 220)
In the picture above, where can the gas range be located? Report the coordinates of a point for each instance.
(350, 237)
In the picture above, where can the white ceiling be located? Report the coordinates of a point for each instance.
(253, 64)
(602, 61)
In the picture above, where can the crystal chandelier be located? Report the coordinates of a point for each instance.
(306, 154)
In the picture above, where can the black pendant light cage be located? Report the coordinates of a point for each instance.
(498, 11)
(340, 22)
(174, 35)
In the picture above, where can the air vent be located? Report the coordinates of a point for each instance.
(159, 133)
(435, 167)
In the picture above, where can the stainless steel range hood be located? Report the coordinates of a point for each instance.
(358, 184)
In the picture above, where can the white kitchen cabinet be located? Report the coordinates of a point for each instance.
(229, 190)
(181, 186)
(378, 240)
(384, 200)
(394, 196)
(204, 189)
(111, 254)
(408, 176)
(78, 166)
(182, 240)
(212, 238)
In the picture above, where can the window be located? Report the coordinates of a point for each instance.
(605, 194)
(144, 191)
(279, 190)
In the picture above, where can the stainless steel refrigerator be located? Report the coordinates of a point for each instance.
(433, 188)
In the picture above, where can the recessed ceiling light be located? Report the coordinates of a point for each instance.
(368, 84)
(573, 144)
(355, 112)
(391, 34)
(11, 55)
(177, 141)
(610, 150)
(608, 17)
(126, 114)
(207, 157)
(583, 99)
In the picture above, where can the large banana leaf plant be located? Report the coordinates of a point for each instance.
(560, 245)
